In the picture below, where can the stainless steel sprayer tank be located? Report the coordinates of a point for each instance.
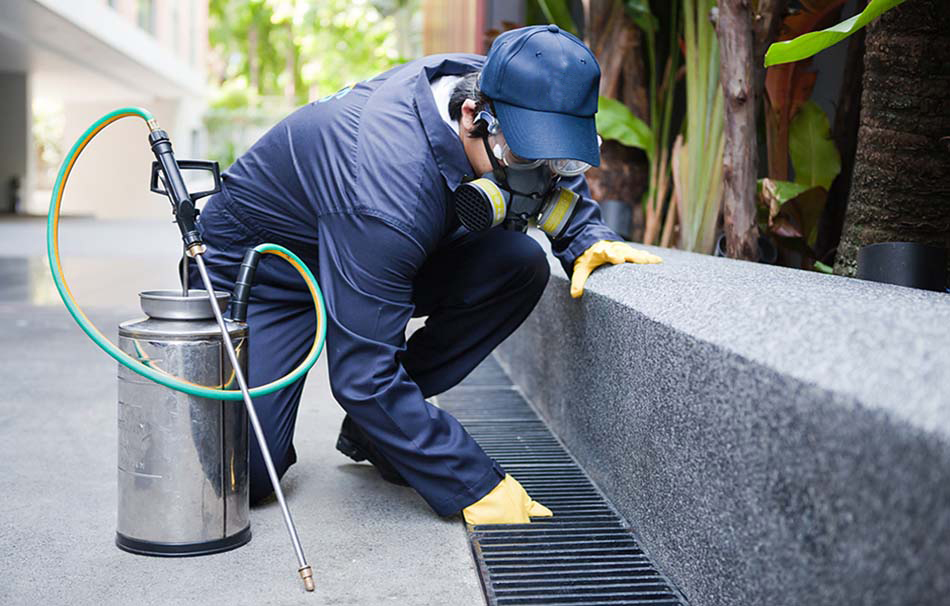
(183, 460)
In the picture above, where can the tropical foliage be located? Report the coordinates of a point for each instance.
(693, 195)
(791, 210)
(697, 155)
(812, 43)
(615, 121)
(658, 213)
(276, 54)
(273, 55)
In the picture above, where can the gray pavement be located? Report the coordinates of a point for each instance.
(368, 541)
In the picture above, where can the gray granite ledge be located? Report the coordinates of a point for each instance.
(775, 436)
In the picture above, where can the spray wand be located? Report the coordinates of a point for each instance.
(185, 215)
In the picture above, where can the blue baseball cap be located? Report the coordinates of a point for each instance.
(544, 83)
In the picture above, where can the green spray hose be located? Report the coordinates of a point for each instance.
(133, 364)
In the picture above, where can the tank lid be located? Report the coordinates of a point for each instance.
(171, 305)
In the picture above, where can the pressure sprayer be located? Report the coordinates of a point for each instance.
(183, 448)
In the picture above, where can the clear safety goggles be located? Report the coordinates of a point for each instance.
(566, 167)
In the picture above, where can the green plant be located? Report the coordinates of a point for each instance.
(697, 153)
(809, 44)
(814, 157)
(302, 49)
(789, 86)
(615, 121)
(695, 162)
(790, 210)
(269, 56)
(558, 12)
(661, 95)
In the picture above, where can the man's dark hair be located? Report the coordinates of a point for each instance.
(465, 89)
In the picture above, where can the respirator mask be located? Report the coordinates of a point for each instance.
(518, 192)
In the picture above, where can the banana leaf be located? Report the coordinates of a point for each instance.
(812, 43)
(616, 121)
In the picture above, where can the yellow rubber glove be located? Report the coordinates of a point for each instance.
(507, 503)
(602, 252)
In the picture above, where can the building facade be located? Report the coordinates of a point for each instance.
(77, 60)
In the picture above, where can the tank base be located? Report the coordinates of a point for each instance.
(181, 550)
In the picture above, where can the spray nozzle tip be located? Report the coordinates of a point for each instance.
(306, 573)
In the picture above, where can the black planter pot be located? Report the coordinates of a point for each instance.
(904, 263)
(767, 252)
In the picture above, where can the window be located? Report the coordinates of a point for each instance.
(146, 15)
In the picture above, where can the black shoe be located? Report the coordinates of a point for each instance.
(353, 443)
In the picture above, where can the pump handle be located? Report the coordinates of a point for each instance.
(156, 184)
(182, 203)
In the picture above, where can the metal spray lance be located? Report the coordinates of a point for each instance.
(183, 206)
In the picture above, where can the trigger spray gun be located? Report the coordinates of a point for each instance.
(183, 456)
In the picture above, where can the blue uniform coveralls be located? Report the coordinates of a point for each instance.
(359, 185)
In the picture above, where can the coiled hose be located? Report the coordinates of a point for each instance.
(133, 364)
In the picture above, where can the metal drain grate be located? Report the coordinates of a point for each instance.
(584, 555)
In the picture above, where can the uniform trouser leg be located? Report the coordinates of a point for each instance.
(281, 322)
(476, 289)
(281, 337)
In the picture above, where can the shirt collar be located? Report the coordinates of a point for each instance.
(446, 146)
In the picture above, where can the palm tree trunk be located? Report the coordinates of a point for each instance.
(901, 184)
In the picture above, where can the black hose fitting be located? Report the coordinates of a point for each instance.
(242, 285)
(182, 204)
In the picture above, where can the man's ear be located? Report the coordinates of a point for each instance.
(469, 110)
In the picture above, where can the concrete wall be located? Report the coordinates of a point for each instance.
(775, 436)
(15, 137)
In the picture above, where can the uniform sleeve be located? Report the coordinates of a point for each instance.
(585, 227)
(366, 268)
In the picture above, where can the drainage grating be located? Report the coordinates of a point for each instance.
(586, 554)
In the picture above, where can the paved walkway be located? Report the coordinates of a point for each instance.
(369, 542)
